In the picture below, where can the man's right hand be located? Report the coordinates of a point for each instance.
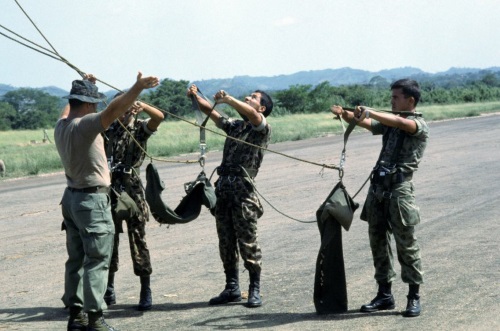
(91, 78)
(337, 110)
(192, 90)
(147, 82)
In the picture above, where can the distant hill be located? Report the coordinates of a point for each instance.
(52, 90)
(241, 85)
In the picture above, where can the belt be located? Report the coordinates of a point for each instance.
(400, 177)
(92, 189)
(394, 178)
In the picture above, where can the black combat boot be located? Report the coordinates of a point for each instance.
(383, 301)
(254, 291)
(413, 305)
(109, 295)
(231, 292)
(145, 300)
(78, 320)
(97, 323)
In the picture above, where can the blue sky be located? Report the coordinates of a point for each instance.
(204, 39)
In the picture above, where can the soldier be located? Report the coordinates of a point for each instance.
(390, 204)
(238, 207)
(125, 158)
(85, 204)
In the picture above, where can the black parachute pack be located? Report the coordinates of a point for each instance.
(337, 211)
(198, 192)
(330, 288)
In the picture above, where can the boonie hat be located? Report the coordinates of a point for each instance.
(85, 91)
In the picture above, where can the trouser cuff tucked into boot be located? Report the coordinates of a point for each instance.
(97, 322)
(146, 300)
(231, 292)
(254, 299)
(78, 320)
(383, 301)
(413, 306)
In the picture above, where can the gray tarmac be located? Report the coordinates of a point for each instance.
(457, 191)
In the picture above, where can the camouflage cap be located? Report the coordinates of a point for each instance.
(85, 91)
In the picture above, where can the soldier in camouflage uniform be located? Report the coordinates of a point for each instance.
(125, 159)
(238, 206)
(390, 204)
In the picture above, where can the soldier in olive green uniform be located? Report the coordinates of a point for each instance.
(390, 207)
(85, 203)
(238, 206)
(125, 158)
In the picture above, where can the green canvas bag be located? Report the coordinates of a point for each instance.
(125, 206)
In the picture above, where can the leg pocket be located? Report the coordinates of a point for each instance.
(94, 214)
(407, 210)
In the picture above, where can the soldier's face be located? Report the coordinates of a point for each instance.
(254, 101)
(401, 103)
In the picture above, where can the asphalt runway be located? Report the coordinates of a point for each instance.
(457, 191)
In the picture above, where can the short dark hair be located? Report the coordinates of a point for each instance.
(75, 103)
(266, 101)
(409, 87)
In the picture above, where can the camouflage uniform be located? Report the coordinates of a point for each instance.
(238, 206)
(125, 156)
(390, 205)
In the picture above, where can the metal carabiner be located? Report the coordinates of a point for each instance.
(201, 160)
(341, 165)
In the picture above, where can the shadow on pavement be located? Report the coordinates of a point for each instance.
(255, 321)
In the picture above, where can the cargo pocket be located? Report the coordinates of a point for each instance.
(94, 213)
(408, 211)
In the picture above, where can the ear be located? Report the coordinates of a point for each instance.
(412, 101)
(262, 109)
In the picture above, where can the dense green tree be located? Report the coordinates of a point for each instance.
(34, 108)
(490, 79)
(294, 99)
(170, 96)
(322, 97)
(7, 116)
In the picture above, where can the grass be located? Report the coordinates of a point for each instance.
(27, 153)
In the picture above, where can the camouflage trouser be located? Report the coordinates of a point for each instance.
(397, 215)
(136, 229)
(236, 214)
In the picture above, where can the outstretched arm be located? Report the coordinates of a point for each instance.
(255, 117)
(156, 115)
(205, 106)
(348, 116)
(122, 103)
(363, 114)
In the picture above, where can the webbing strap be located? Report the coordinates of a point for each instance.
(347, 132)
(196, 107)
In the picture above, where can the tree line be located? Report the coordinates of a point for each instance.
(28, 108)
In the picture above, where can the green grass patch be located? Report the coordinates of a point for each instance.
(27, 153)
